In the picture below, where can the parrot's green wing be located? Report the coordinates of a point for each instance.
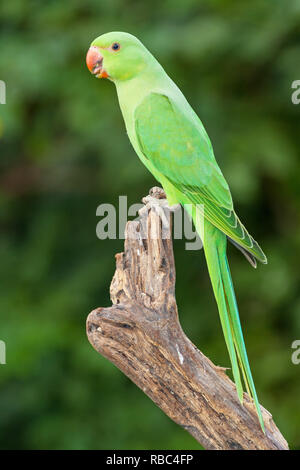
(178, 147)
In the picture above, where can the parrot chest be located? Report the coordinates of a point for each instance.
(128, 104)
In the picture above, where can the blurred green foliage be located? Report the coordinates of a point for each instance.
(62, 141)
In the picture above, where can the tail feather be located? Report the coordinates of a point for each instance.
(215, 251)
(238, 336)
(249, 257)
(214, 267)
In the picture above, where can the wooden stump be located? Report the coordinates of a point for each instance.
(141, 334)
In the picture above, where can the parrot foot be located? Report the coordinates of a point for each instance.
(160, 206)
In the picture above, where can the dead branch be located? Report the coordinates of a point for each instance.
(142, 336)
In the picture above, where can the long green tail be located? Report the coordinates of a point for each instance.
(215, 243)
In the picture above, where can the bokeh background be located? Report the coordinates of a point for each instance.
(64, 151)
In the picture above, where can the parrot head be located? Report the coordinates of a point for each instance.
(117, 56)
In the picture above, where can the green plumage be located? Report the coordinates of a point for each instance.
(189, 164)
(171, 141)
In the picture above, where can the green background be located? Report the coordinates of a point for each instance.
(64, 151)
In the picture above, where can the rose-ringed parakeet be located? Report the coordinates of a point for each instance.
(171, 141)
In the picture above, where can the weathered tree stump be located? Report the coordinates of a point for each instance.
(142, 336)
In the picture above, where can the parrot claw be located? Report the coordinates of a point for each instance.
(160, 206)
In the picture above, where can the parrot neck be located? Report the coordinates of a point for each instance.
(131, 92)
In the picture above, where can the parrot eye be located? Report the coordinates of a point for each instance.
(115, 46)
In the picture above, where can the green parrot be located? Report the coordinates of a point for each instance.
(171, 141)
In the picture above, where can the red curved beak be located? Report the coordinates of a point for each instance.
(94, 62)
